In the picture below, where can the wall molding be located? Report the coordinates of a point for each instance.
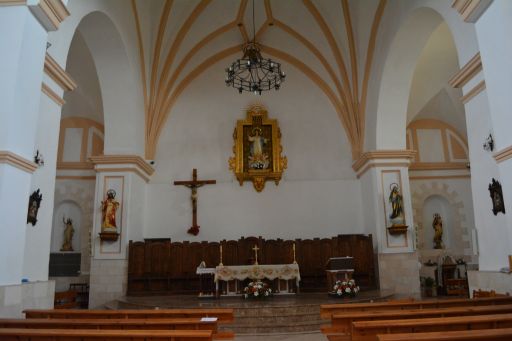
(503, 155)
(74, 165)
(122, 170)
(439, 177)
(467, 72)
(13, 2)
(421, 166)
(75, 177)
(50, 13)
(123, 160)
(471, 10)
(473, 92)
(382, 154)
(52, 94)
(58, 74)
(17, 161)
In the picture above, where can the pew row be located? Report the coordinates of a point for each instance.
(327, 310)
(223, 315)
(503, 334)
(11, 334)
(368, 330)
(342, 323)
(119, 324)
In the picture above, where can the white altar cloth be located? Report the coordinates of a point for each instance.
(270, 271)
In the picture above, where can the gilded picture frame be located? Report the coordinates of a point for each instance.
(257, 148)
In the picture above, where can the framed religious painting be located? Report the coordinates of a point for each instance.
(496, 197)
(34, 202)
(257, 148)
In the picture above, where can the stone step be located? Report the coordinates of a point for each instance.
(275, 319)
(273, 311)
(275, 327)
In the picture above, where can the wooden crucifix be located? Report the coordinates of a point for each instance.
(194, 185)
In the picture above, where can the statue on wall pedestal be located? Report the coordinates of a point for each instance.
(108, 217)
(108, 209)
(69, 231)
(437, 225)
(396, 200)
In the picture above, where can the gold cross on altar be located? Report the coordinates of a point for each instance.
(255, 249)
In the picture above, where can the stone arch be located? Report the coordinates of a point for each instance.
(105, 34)
(460, 232)
(386, 120)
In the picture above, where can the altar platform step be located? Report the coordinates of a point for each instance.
(285, 314)
(276, 319)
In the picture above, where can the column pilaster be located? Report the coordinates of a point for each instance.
(379, 172)
(127, 175)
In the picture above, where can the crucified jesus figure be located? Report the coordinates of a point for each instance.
(194, 185)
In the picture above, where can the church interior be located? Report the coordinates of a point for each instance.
(203, 154)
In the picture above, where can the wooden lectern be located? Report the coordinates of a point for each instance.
(338, 268)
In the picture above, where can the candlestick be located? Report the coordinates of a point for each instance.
(294, 261)
(220, 264)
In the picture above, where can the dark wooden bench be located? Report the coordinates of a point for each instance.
(342, 323)
(327, 310)
(504, 334)
(222, 314)
(11, 334)
(65, 300)
(368, 330)
(119, 324)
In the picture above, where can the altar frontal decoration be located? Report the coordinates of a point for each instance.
(345, 288)
(257, 289)
(257, 149)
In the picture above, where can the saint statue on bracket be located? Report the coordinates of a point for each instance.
(108, 217)
(437, 225)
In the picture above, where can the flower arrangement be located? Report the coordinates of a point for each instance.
(257, 289)
(345, 288)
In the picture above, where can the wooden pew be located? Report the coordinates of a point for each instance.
(119, 324)
(342, 323)
(223, 315)
(482, 293)
(368, 330)
(503, 334)
(327, 310)
(11, 334)
(65, 300)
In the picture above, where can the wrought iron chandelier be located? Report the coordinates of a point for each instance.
(254, 73)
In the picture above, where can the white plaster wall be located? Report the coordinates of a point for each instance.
(496, 51)
(319, 195)
(13, 224)
(20, 92)
(136, 208)
(21, 68)
(435, 66)
(38, 238)
(493, 234)
(493, 36)
(85, 100)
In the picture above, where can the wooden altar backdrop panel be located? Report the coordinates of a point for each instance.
(160, 266)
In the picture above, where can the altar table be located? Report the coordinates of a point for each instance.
(269, 271)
